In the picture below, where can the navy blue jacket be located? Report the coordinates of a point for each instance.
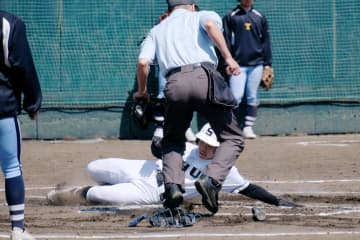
(17, 71)
(247, 36)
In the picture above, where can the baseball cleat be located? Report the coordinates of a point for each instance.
(68, 196)
(258, 214)
(248, 133)
(20, 234)
(172, 195)
(209, 190)
(159, 132)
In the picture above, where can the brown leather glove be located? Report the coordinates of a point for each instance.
(267, 78)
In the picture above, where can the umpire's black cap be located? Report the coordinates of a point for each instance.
(173, 3)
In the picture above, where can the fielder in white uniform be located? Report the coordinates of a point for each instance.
(132, 182)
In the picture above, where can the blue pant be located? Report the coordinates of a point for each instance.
(247, 82)
(10, 145)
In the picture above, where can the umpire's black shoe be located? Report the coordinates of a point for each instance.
(209, 190)
(172, 195)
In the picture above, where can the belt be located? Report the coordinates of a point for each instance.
(185, 68)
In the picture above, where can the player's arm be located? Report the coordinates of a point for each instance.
(259, 193)
(22, 64)
(142, 74)
(251, 190)
(213, 28)
(146, 56)
(266, 43)
(256, 192)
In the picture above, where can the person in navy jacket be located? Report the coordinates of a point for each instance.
(246, 32)
(19, 89)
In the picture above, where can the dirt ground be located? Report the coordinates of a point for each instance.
(320, 172)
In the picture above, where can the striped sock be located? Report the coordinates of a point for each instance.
(15, 197)
(250, 116)
(249, 121)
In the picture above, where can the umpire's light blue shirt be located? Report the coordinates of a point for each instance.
(180, 39)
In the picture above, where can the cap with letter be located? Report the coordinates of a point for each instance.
(174, 3)
(208, 136)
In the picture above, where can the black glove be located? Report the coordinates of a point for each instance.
(156, 146)
(140, 112)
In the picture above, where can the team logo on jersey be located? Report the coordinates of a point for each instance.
(247, 26)
(194, 172)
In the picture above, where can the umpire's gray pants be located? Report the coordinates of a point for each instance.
(186, 92)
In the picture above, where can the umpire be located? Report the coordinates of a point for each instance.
(183, 45)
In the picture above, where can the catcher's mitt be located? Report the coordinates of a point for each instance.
(267, 77)
(140, 110)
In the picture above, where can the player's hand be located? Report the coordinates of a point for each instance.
(33, 116)
(232, 67)
(141, 95)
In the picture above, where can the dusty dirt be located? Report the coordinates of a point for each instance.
(320, 172)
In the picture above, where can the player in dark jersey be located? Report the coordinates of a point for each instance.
(247, 35)
(17, 77)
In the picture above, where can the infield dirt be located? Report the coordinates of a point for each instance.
(320, 172)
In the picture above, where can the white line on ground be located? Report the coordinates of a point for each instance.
(36, 197)
(317, 193)
(39, 188)
(86, 141)
(339, 143)
(187, 235)
(321, 214)
(308, 181)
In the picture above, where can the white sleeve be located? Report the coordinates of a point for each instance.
(148, 48)
(189, 147)
(210, 15)
(193, 167)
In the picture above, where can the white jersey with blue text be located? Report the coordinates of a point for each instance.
(132, 182)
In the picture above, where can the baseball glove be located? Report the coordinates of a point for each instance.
(156, 147)
(141, 112)
(267, 77)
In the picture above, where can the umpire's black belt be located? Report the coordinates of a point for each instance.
(185, 68)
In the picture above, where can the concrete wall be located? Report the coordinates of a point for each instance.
(117, 123)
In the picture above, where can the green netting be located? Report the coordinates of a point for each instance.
(86, 51)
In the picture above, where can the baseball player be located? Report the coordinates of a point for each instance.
(17, 77)
(246, 32)
(129, 182)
